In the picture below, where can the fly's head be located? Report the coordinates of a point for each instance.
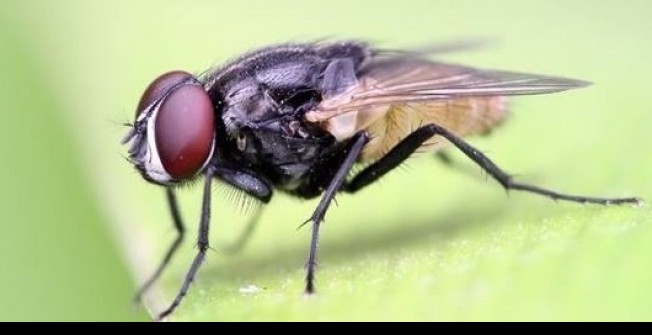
(173, 136)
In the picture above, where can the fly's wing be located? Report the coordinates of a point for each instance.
(401, 80)
(395, 95)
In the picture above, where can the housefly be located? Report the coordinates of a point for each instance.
(297, 117)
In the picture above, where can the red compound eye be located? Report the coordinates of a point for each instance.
(159, 87)
(184, 128)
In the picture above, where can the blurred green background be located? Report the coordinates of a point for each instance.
(80, 228)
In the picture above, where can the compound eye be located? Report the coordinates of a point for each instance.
(184, 131)
(159, 87)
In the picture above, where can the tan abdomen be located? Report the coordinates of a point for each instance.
(463, 117)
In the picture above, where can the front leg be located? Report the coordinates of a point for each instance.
(246, 181)
(252, 185)
(202, 244)
(245, 235)
(358, 143)
(172, 250)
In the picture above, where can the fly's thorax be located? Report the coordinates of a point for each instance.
(276, 141)
(283, 149)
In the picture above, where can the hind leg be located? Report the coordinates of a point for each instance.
(413, 141)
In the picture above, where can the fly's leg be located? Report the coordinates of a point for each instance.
(246, 234)
(444, 157)
(336, 183)
(202, 244)
(413, 141)
(178, 225)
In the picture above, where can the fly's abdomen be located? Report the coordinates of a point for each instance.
(464, 116)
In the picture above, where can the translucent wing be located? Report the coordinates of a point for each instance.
(395, 95)
(401, 80)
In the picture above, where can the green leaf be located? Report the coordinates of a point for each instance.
(428, 242)
(58, 262)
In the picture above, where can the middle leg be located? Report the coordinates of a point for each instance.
(318, 215)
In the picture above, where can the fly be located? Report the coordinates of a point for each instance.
(297, 117)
